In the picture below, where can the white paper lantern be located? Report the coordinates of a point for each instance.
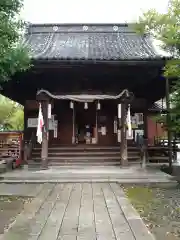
(71, 105)
(49, 111)
(98, 106)
(85, 105)
(119, 111)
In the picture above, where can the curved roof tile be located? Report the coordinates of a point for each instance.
(95, 42)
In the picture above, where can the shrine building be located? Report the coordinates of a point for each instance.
(81, 74)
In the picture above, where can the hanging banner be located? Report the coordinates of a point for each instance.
(129, 137)
(115, 126)
(119, 111)
(134, 122)
(139, 117)
(52, 118)
(40, 125)
(49, 111)
(119, 135)
(103, 131)
(129, 121)
(55, 128)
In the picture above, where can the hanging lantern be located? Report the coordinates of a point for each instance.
(119, 111)
(49, 111)
(85, 105)
(71, 105)
(98, 106)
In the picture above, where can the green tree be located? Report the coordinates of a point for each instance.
(11, 115)
(13, 57)
(16, 122)
(166, 28)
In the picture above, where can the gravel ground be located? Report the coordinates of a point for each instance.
(159, 206)
(10, 207)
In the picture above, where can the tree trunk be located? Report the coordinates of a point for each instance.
(168, 119)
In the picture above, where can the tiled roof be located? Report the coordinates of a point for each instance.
(90, 42)
(159, 106)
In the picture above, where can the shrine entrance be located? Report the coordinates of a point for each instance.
(85, 123)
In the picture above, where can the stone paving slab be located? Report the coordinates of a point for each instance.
(135, 222)
(89, 180)
(61, 172)
(78, 211)
(86, 174)
(21, 190)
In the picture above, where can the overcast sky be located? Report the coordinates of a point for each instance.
(87, 11)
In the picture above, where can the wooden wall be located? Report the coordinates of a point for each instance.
(155, 130)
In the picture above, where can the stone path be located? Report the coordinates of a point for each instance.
(130, 174)
(81, 211)
(20, 190)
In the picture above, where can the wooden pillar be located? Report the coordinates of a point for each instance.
(73, 124)
(25, 122)
(44, 100)
(97, 122)
(145, 139)
(168, 121)
(45, 133)
(25, 137)
(123, 146)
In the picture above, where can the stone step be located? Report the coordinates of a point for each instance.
(77, 164)
(89, 148)
(84, 153)
(81, 164)
(84, 158)
(95, 180)
(68, 176)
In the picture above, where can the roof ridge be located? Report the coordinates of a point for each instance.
(80, 24)
(48, 28)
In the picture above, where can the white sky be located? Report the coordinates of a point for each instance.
(87, 11)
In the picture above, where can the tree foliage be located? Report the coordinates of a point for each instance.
(13, 57)
(11, 115)
(166, 28)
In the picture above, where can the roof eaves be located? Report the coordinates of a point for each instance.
(137, 60)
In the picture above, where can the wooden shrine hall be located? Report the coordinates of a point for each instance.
(81, 74)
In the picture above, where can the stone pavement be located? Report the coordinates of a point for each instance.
(82, 211)
(130, 174)
(19, 190)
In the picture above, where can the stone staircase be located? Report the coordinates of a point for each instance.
(85, 155)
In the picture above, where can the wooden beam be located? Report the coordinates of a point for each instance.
(42, 97)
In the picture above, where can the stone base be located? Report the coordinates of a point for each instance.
(44, 164)
(176, 170)
(124, 163)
